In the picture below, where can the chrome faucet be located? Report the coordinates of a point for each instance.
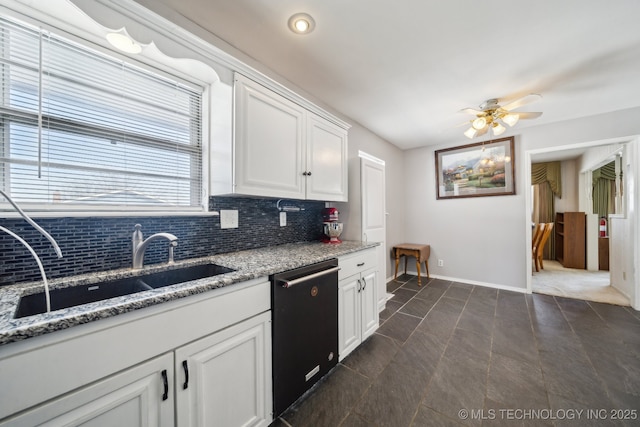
(26, 245)
(140, 245)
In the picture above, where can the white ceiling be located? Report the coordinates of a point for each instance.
(404, 69)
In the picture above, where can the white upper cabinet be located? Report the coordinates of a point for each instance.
(269, 142)
(281, 149)
(326, 160)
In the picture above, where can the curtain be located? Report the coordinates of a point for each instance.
(604, 190)
(544, 211)
(548, 172)
(547, 181)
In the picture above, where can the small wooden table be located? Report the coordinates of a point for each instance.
(419, 252)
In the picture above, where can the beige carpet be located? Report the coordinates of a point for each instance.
(575, 283)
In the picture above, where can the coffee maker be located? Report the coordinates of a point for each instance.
(331, 227)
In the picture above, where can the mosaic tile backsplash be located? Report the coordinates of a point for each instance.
(99, 244)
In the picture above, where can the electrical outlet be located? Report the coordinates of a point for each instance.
(228, 219)
(440, 263)
(283, 219)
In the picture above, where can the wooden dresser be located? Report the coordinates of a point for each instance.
(571, 239)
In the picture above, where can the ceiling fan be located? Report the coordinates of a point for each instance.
(492, 115)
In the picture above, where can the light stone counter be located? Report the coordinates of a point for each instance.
(248, 265)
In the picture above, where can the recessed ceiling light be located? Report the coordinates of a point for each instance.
(124, 43)
(301, 23)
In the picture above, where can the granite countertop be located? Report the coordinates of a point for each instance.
(248, 265)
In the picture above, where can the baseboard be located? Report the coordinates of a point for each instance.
(476, 283)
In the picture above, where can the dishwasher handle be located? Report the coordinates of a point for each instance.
(290, 283)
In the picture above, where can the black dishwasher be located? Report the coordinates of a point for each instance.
(305, 329)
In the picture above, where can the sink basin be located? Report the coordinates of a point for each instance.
(30, 305)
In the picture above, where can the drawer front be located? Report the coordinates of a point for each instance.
(356, 263)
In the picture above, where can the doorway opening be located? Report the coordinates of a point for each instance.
(587, 281)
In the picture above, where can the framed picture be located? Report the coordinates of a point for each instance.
(475, 170)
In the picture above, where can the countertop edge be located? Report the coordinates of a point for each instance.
(248, 265)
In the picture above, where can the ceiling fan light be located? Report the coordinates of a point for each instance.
(479, 123)
(511, 119)
(498, 129)
(470, 133)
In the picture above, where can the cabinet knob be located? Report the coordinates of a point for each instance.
(306, 173)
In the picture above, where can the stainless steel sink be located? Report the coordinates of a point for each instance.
(30, 305)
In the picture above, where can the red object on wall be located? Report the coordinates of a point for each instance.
(603, 227)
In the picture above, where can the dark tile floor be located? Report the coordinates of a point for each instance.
(449, 354)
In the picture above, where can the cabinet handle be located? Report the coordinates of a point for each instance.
(365, 283)
(308, 173)
(360, 265)
(165, 383)
(359, 286)
(186, 374)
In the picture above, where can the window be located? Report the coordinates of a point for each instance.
(84, 131)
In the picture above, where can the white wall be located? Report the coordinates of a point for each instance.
(624, 262)
(570, 190)
(592, 159)
(485, 239)
(473, 236)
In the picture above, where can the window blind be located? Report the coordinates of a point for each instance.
(84, 130)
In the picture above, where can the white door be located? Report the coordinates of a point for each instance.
(349, 316)
(225, 379)
(369, 303)
(372, 183)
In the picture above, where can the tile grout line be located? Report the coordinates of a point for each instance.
(444, 350)
(538, 358)
(586, 354)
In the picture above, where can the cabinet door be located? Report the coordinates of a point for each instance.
(269, 142)
(326, 160)
(134, 397)
(348, 315)
(227, 377)
(369, 300)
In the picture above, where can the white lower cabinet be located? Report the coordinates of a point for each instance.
(220, 380)
(204, 360)
(224, 379)
(357, 301)
(139, 396)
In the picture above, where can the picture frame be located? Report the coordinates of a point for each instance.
(476, 170)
